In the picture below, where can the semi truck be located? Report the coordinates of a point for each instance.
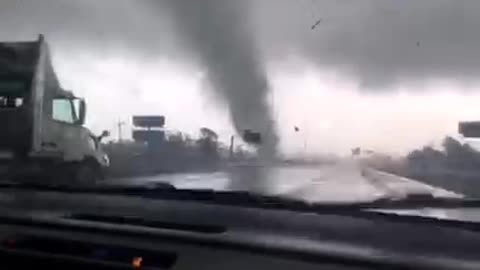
(42, 137)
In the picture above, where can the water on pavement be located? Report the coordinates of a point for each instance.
(343, 181)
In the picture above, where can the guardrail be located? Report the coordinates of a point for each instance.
(398, 186)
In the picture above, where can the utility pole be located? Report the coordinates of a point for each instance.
(304, 145)
(119, 126)
(232, 145)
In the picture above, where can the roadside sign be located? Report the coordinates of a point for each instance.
(469, 129)
(148, 135)
(148, 121)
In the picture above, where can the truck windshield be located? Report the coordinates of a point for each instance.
(12, 87)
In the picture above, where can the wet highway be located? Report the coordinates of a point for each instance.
(343, 181)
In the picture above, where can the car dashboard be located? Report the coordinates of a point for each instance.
(86, 231)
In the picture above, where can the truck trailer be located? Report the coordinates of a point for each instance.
(42, 137)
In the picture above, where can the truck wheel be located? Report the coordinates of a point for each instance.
(86, 174)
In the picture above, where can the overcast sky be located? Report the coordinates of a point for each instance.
(384, 75)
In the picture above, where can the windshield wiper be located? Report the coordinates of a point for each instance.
(166, 191)
(98, 189)
(424, 200)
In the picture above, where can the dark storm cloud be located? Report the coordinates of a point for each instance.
(90, 25)
(379, 42)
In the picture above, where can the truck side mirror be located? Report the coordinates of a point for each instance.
(81, 112)
(104, 134)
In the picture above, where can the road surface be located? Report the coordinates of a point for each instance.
(343, 181)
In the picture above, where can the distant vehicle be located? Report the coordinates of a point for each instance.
(42, 134)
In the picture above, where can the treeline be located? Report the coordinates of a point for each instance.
(455, 166)
(177, 152)
(454, 156)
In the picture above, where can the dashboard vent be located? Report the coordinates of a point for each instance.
(138, 221)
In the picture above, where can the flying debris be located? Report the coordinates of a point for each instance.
(316, 24)
(297, 129)
(252, 137)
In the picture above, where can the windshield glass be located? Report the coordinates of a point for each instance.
(317, 100)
